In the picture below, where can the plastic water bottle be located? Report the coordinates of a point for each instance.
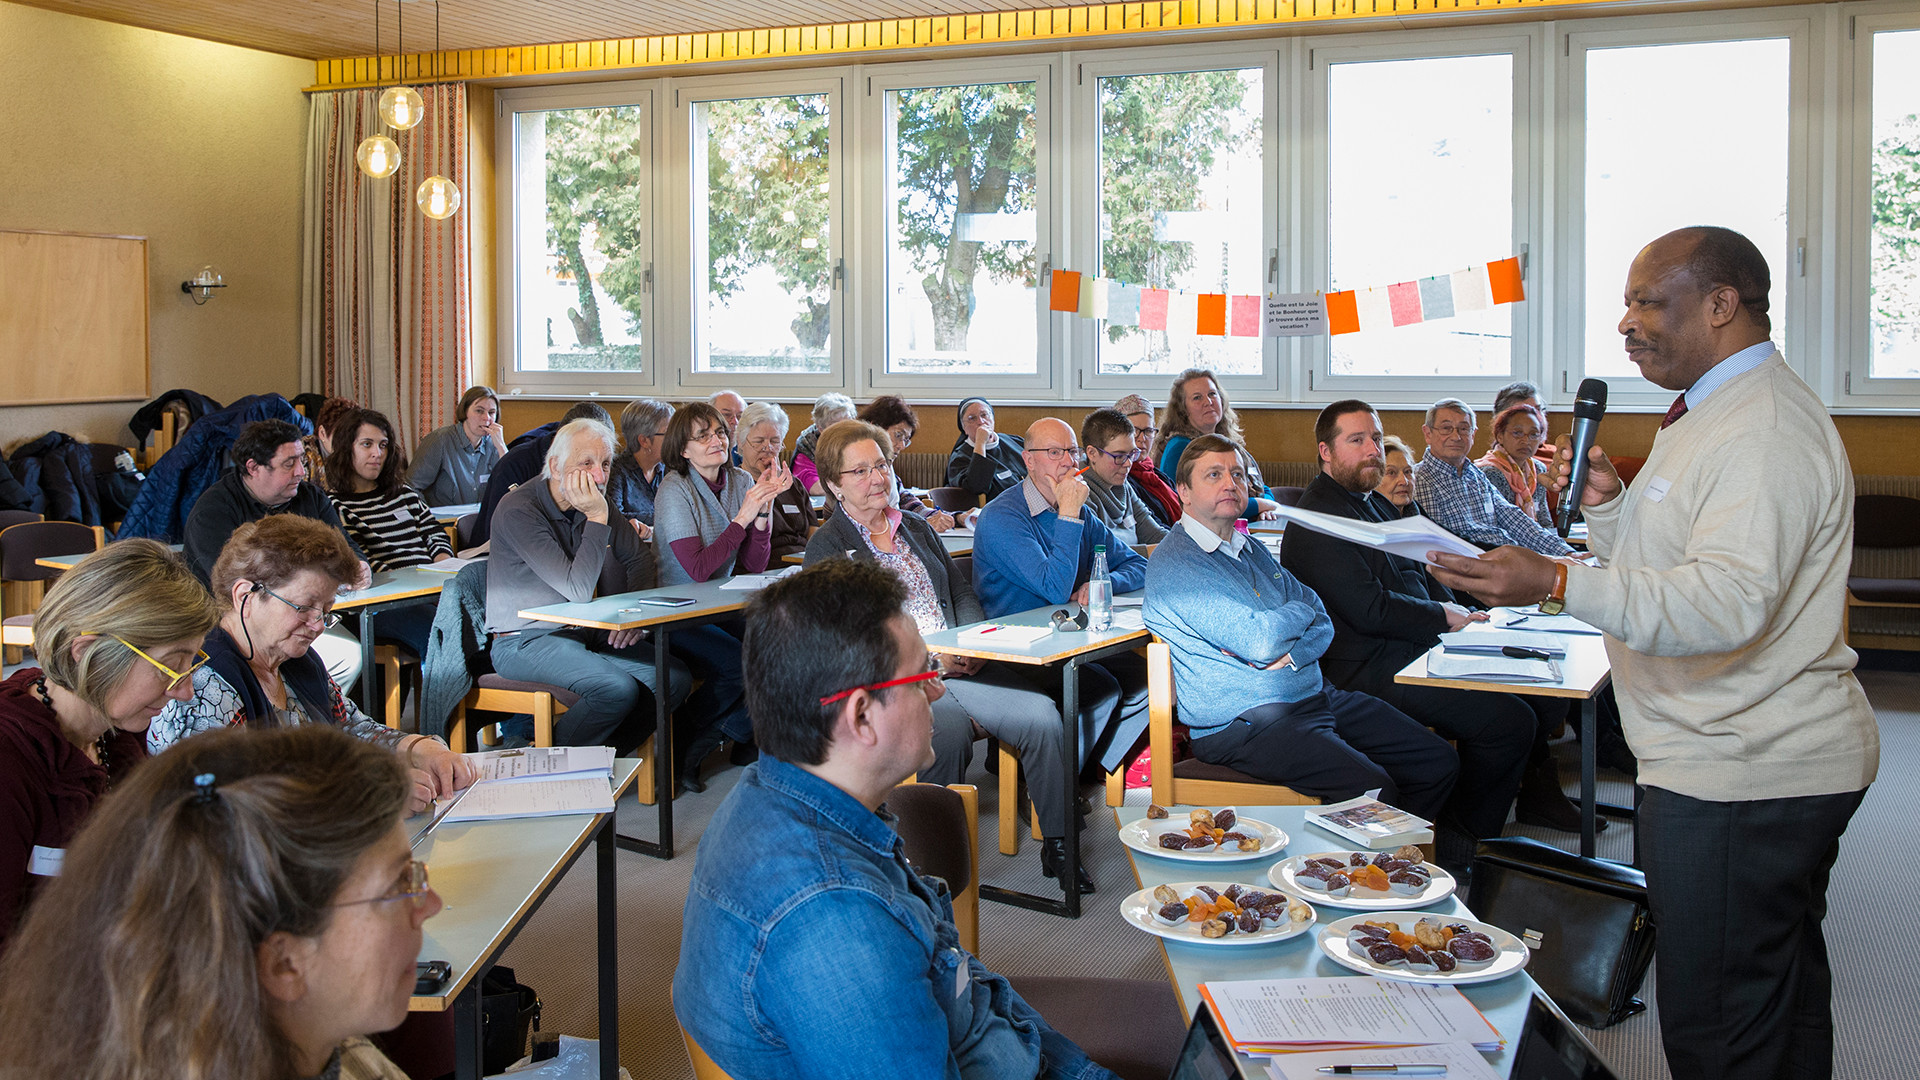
(1099, 593)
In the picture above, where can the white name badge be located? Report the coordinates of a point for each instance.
(960, 974)
(1004, 474)
(45, 861)
(1657, 488)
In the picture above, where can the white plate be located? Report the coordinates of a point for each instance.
(1138, 909)
(1512, 956)
(1282, 875)
(1144, 835)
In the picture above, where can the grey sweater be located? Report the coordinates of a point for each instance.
(694, 530)
(1121, 510)
(543, 555)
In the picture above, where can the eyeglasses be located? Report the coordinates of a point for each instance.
(719, 433)
(1127, 458)
(327, 619)
(902, 440)
(924, 676)
(1052, 453)
(1149, 431)
(1450, 430)
(860, 474)
(411, 886)
(175, 678)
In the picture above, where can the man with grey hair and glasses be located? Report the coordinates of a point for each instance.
(1453, 491)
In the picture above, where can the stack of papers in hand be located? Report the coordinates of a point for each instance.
(752, 582)
(1287, 1016)
(1410, 537)
(1002, 634)
(537, 782)
(1443, 663)
(1488, 642)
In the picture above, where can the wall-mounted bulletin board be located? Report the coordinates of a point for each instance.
(73, 318)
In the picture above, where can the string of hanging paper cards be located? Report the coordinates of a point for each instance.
(1347, 311)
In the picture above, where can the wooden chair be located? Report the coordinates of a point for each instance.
(23, 583)
(497, 693)
(1881, 522)
(954, 500)
(1194, 782)
(10, 518)
(703, 1066)
(396, 667)
(939, 828)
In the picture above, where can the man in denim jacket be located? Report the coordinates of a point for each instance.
(810, 947)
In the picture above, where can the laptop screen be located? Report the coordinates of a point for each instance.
(1551, 1048)
(1206, 1055)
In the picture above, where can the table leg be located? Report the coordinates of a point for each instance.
(609, 951)
(662, 758)
(368, 690)
(1589, 754)
(468, 1062)
(1070, 719)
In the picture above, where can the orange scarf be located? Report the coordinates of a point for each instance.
(1523, 479)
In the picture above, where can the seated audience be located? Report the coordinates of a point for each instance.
(1386, 612)
(268, 477)
(387, 519)
(453, 463)
(1111, 454)
(276, 581)
(116, 637)
(1516, 475)
(712, 519)
(984, 461)
(319, 445)
(245, 906)
(1458, 496)
(526, 459)
(553, 543)
(803, 912)
(758, 441)
(1152, 484)
(1195, 407)
(1525, 393)
(1396, 475)
(891, 414)
(634, 482)
(1034, 548)
(729, 405)
(828, 410)
(1005, 701)
(1246, 639)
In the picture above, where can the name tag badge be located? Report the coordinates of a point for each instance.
(45, 861)
(1657, 488)
(484, 477)
(960, 974)
(1003, 474)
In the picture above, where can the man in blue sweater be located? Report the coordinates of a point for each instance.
(1033, 547)
(1246, 639)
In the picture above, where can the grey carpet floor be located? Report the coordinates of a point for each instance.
(1878, 1034)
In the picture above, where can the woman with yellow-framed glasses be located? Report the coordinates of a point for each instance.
(117, 637)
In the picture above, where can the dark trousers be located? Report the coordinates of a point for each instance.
(1007, 705)
(1336, 745)
(1495, 733)
(1738, 891)
(616, 686)
(713, 655)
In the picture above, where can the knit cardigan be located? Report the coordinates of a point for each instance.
(690, 517)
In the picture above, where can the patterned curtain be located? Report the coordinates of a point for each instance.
(384, 311)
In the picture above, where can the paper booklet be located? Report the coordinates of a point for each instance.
(1371, 824)
(451, 566)
(1265, 1017)
(1410, 537)
(1532, 620)
(1488, 642)
(494, 799)
(1443, 663)
(752, 582)
(542, 763)
(1002, 634)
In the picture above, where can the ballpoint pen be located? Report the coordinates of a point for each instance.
(1519, 653)
(1411, 1068)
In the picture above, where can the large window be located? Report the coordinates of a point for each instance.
(1894, 229)
(1651, 166)
(581, 240)
(1181, 208)
(1420, 184)
(962, 230)
(764, 264)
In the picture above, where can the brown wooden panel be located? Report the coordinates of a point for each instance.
(73, 318)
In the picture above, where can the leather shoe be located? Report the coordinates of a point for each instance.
(1545, 804)
(1053, 858)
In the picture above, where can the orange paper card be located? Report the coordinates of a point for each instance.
(1066, 291)
(1213, 315)
(1343, 313)
(1503, 278)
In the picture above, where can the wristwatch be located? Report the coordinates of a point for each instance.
(1556, 601)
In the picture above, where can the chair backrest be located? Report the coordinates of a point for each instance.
(1288, 496)
(463, 531)
(1886, 521)
(703, 1066)
(10, 518)
(21, 544)
(954, 500)
(1169, 790)
(964, 564)
(940, 830)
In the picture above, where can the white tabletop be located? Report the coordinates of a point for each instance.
(1504, 1002)
(1584, 671)
(394, 585)
(623, 611)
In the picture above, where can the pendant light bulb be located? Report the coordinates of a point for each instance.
(401, 107)
(437, 197)
(379, 156)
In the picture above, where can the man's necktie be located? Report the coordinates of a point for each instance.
(1674, 412)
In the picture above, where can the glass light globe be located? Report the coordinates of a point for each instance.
(207, 276)
(379, 156)
(401, 107)
(437, 197)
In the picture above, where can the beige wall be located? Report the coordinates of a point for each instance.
(196, 146)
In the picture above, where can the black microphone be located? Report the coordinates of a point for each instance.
(1588, 408)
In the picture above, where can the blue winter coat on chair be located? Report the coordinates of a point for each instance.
(185, 472)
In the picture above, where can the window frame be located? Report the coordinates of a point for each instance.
(1526, 46)
(1277, 124)
(876, 223)
(682, 296)
(1802, 283)
(1852, 316)
(510, 379)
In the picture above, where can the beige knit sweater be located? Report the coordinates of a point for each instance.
(1723, 597)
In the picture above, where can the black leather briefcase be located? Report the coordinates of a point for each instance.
(1586, 920)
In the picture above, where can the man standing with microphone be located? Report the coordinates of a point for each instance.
(1722, 598)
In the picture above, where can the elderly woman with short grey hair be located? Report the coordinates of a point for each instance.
(828, 410)
(757, 441)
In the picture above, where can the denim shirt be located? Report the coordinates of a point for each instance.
(811, 949)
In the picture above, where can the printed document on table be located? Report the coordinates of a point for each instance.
(541, 763)
(451, 566)
(752, 582)
(1267, 1016)
(1482, 638)
(1533, 619)
(1410, 537)
(1460, 1059)
(578, 795)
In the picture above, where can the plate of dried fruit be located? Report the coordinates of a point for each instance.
(1203, 836)
(1218, 913)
